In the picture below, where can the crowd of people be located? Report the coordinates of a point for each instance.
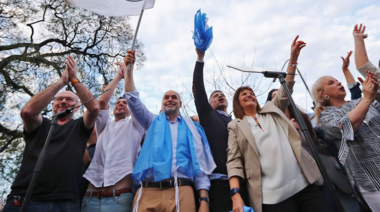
(141, 161)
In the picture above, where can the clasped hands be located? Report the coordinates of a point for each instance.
(70, 72)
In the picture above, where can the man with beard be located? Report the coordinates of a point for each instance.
(214, 119)
(116, 152)
(56, 189)
(175, 155)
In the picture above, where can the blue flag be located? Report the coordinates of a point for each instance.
(202, 32)
(247, 209)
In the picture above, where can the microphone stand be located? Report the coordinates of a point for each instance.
(303, 127)
(41, 158)
(305, 131)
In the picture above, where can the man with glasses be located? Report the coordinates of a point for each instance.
(57, 188)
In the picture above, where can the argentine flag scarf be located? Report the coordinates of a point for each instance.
(193, 152)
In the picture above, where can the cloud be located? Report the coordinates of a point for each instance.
(240, 28)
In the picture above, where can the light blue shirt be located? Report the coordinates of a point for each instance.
(145, 118)
(223, 113)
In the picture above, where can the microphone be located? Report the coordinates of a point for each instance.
(64, 113)
(267, 72)
(273, 74)
(70, 110)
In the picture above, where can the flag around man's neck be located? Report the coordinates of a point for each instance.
(113, 7)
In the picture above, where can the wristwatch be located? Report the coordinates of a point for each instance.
(204, 199)
(234, 191)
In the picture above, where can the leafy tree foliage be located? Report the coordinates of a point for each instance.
(35, 38)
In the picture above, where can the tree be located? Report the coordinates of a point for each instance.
(35, 39)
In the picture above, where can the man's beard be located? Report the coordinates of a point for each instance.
(220, 107)
(171, 111)
(121, 114)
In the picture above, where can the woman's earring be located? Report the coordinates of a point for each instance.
(327, 97)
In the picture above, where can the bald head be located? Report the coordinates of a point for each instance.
(171, 102)
(67, 93)
(64, 100)
(171, 92)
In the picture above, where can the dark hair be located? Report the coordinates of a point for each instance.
(238, 109)
(269, 98)
(291, 113)
(305, 117)
(209, 99)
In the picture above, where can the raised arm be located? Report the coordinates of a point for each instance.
(84, 95)
(128, 76)
(105, 98)
(138, 110)
(31, 112)
(361, 57)
(346, 71)
(352, 85)
(358, 114)
(281, 99)
(295, 51)
(200, 97)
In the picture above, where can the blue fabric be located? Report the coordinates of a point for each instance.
(356, 92)
(122, 203)
(247, 209)
(157, 151)
(202, 34)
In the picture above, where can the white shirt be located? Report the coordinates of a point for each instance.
(116, 150)
(281, 176)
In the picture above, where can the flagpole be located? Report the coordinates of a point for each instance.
(137, 30)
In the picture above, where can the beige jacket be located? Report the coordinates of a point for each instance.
(243, 157)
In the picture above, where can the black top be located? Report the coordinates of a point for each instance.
(63, 165)
(214, 123)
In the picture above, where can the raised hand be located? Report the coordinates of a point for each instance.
(296, 49)
(200, 55)
(370, 86)
(65, 77)
(122, 69)
(71, 68)
(358, 32)
(130, 58)
(346, 61)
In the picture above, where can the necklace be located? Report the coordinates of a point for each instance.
(257, 123)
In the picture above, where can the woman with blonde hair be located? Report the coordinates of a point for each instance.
(264, 148)
(354, 126)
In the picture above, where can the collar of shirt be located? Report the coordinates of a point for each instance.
(224, 113)
(175, 121)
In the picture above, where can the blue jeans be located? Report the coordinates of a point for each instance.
(40, 206)
(122, 203)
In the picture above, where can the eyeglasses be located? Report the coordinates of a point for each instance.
(61, 98)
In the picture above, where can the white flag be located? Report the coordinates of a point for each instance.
(113, 7)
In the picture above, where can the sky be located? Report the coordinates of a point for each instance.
(246, 33)
(250, 32)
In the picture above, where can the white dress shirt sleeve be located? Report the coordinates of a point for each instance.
(101, 121)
